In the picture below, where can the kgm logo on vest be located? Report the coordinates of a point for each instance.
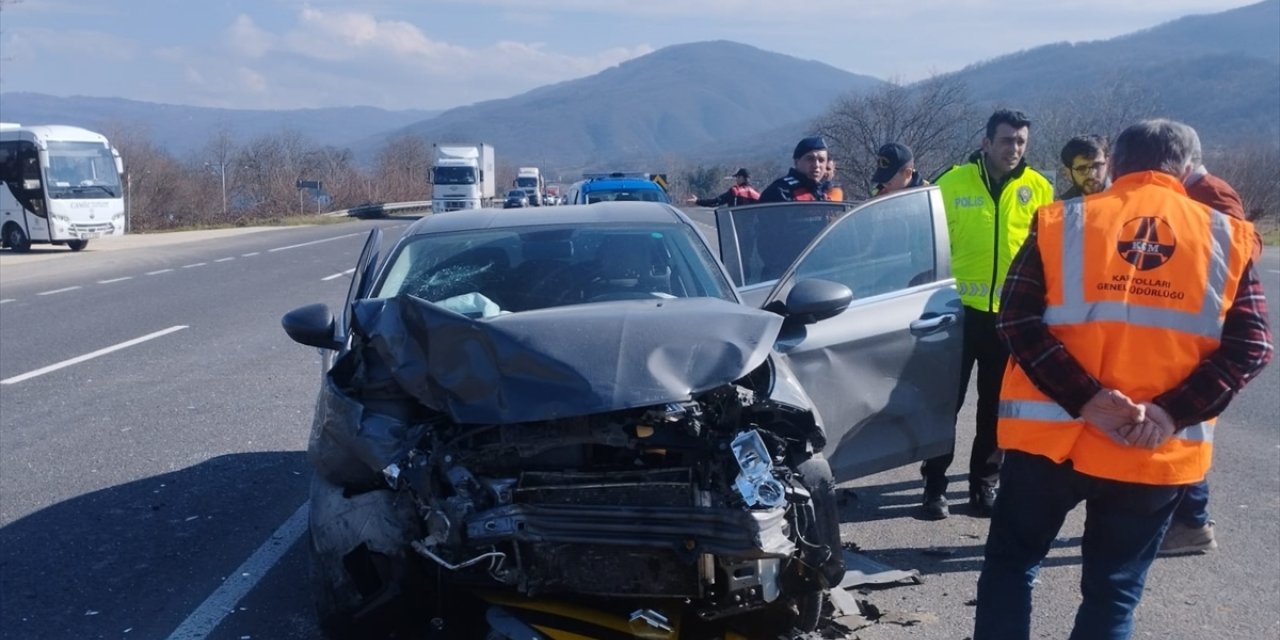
(1146, 243)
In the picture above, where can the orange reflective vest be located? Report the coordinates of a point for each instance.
(1138, 280)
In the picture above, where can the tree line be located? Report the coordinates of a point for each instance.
(254, 181)
(942, 125)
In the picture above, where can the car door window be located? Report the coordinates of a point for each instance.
(885, 246)
(361, 281)
(759, 242)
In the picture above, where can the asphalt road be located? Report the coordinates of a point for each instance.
(157, 489)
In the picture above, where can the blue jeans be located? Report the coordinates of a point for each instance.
(1193, 509)
(1124, 524)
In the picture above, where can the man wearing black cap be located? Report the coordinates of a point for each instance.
(895, 170)
(803, 181)
(779, 239)
(740, 193)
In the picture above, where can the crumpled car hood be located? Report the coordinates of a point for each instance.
(564, 361)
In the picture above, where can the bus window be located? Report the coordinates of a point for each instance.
(9, 163)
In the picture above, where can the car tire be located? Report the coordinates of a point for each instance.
(77, 245)
(807, 614)
(16, 239)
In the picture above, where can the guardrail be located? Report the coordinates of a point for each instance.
(386, 208)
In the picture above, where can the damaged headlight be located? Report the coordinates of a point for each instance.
(756, 483)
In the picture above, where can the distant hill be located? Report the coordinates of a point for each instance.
(729, 103)
(1219, 72)
(182, 129)
(673, 101)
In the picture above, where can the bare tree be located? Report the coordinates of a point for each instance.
(216, 160)
(934, 117)
(1251, 170)
(1105, 110)
(402, 169)
(335, 167)
(704, 182)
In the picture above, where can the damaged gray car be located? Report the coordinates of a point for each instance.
(584, 403)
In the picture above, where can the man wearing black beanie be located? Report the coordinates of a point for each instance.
(780, 238)
(802, 181)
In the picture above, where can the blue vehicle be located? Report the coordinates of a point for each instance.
(619, 186)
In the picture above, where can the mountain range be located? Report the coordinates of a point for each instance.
(709, 101)
(184, 129)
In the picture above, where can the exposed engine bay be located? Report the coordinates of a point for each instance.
(711, 495)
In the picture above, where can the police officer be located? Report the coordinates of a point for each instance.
(804, 181)
(895, 170)
(989, 200)
(739, 194)
(779, 237)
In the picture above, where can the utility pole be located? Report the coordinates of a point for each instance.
(222, 170)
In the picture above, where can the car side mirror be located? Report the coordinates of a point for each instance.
(812, 300)
(311, 325)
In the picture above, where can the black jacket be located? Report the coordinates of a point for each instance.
(793, 186)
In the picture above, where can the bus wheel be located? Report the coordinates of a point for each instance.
(76, 245)
(15, 239)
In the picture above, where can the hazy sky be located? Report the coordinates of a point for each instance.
(434, 54)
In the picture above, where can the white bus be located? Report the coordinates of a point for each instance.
(61, 185)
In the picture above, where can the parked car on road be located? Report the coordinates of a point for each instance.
(584, 402)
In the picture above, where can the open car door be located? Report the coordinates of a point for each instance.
(884, 373)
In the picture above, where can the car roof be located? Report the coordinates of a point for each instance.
(634, 212)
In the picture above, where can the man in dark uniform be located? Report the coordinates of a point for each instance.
(802, 181)
(739, 194)
(780, 238)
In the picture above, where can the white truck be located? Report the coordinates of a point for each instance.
(58, 185)
(530, 179)
(462, 177)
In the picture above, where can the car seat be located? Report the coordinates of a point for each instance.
(631, 263)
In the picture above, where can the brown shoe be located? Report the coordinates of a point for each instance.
(1181, 540)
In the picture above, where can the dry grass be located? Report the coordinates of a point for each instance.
(276, 221)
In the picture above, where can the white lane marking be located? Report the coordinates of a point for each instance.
(62, 290)
(115, 280)
(8, 300)
(156, 273)
(225, 259)
(251, 253)
(1273, 270)
(223, 600)
(306, 244)
(339, 275)
(198, 264)
(89, 356)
